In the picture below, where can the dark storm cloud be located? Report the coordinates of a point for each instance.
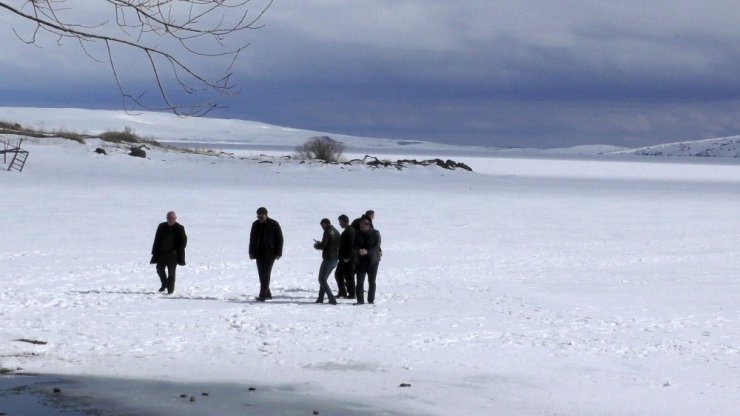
(541, 74)
(501, 73)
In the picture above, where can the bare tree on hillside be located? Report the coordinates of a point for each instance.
(175, 38)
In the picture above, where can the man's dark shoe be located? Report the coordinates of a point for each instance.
(161, 289)
(319, 301)
(259, 299)
(333, 302)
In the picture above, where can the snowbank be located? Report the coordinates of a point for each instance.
(519, 291)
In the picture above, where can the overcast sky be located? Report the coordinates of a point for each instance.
(546, 73)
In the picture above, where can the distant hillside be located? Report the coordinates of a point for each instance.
(225, 133)
(727, 147)
(169, 128)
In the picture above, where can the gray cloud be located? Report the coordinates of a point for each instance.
(506, 73)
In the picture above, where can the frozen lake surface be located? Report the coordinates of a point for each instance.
(532, 286)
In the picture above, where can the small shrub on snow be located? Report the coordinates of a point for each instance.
(70, 135)
(125, 136)
(320, 148)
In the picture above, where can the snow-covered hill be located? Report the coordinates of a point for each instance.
(195, 131)
(233, 134)
(724, 147)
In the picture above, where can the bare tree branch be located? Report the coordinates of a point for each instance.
(173, 35)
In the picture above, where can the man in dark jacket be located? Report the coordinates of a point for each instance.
(367, 258)
(329, 246)
(168, 250)
(345, 274)
(265, 246)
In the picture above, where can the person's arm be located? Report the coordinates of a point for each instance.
(325, 240)
(373, 245)
(183, 237)
(360, 245)
(345, 245)
(279, 241)
(183, 244)
(253, 242)
(157, 237)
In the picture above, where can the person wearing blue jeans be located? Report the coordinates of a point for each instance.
(329, 246)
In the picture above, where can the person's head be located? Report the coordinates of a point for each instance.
(325, 223)
(171, 218)
(343, 221)
(364, 225)
(261, 214)
(370, 214)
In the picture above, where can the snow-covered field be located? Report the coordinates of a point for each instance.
(532, 287)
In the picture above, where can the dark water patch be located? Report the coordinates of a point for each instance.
(36, 395)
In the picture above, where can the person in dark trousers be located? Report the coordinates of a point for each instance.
(329, 246)
(369, 215)
(345, 274)
(367, 258)
(265, 246)
(168, 251)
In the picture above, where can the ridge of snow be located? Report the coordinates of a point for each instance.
(722, 147)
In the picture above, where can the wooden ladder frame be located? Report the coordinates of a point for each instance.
(19, 156)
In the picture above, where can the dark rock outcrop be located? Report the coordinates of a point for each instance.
(374, 162)
(137, 151)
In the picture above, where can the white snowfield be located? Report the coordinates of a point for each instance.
(531, 287)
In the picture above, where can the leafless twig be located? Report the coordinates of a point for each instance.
(173, 36)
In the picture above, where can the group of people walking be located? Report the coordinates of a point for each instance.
(355, 254)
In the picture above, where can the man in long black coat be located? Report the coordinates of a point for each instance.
(168, 250)
(265, 246)
(345, 274)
